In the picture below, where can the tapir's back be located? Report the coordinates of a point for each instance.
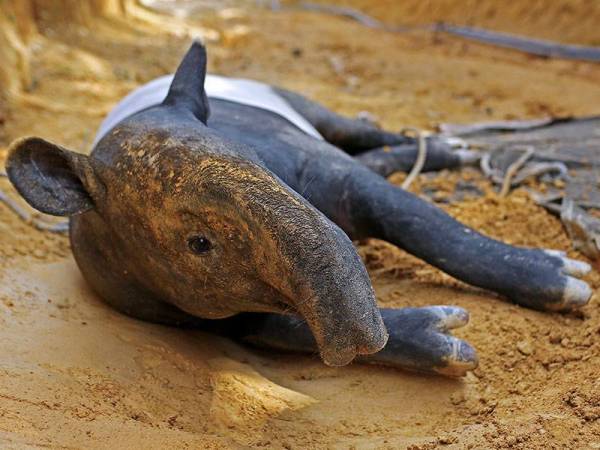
(244, 92)
(271, 132)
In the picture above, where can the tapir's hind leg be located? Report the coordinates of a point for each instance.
(351, 135)
(419, 338)
(381, 151)
(531, 277)
(401, 158)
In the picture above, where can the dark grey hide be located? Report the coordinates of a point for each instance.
(216, 214)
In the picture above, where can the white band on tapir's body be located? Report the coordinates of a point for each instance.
(246, 92)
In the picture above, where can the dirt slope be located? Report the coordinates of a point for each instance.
(75, 374)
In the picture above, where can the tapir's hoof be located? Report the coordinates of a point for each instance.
(548, 280)
(576, 292)
(419, 341)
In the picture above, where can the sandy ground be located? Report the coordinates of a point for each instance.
(76, 374)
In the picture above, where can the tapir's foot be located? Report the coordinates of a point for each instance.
(545, 279)
(418, 338)
(420, 341)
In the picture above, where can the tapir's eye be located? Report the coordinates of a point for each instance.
(199, 244)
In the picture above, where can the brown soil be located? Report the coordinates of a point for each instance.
(76, 374)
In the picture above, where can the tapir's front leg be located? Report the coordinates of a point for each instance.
(419, 338)
(536, 278)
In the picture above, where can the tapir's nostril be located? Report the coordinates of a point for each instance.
(336, 357)
(358, 341)
(374, 344)
(370, 334)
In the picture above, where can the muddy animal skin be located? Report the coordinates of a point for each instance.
(195, 210)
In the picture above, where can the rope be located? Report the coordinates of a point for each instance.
(514, 175)
(421, 156)
(513, 169)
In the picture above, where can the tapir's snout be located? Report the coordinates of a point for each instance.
(364, 336)
(308, 260)
(336, 297)
(343, 314)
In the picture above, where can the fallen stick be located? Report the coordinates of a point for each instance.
(345, 11)
(533, 46)
(538, 47)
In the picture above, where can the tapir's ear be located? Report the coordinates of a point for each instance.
(187, 88)
(52, 179)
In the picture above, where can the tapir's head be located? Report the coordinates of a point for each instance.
(174, 211)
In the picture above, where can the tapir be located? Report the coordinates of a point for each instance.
(231, 205)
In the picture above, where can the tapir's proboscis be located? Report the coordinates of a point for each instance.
(232, 205)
